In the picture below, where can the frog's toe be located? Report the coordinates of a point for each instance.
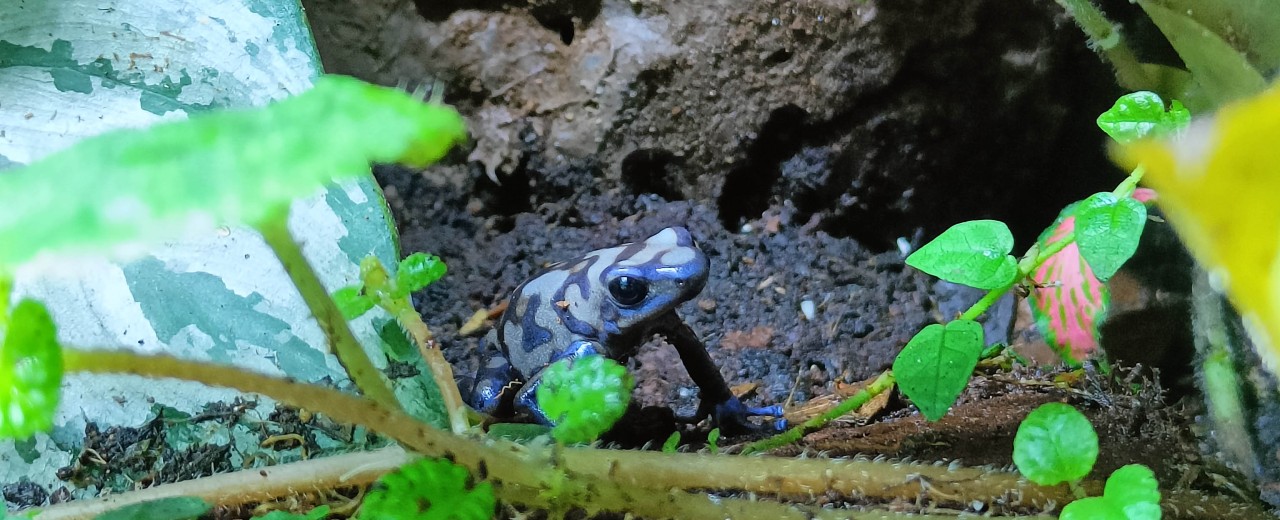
(731, 417)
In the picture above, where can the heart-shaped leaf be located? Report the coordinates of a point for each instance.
(1142, 114)
(974, 253)
(1108, 229)
(936, 364)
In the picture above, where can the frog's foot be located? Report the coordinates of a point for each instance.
(731, 416)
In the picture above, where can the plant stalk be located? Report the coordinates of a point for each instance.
(275, 230)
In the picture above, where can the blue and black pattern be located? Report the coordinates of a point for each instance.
(552, 322)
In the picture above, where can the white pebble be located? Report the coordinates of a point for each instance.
(904, 247)
(808, 309)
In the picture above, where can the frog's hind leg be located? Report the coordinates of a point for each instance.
(495, 387)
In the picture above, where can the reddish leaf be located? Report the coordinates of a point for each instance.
(1146, 196)
(1068, 302)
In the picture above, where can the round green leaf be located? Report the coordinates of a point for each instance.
(1092, 508)
(936, 364)
(1131, 494)
(1055, 444)
(584, 397)
(429, 489)
(1108, 229)
(352, 301)
(973, 253)
(1135, 491)
(1141, 114)
(416, 271)
(30, 371)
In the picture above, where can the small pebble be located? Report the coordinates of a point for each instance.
(904, 246)
(808, 309)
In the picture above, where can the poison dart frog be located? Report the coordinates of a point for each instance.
(606, 302)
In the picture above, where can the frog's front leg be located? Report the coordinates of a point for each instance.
(527, 398)
(494, 385)
(726, 411)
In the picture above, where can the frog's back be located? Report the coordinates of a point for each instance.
(590, 298)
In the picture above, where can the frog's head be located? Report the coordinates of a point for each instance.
(647, 279)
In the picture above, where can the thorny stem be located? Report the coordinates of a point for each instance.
(1110, 42)
(646, 484)
(275, 230)
(1126, 188)
(441, 371)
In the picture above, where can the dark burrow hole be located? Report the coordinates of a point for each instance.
(559, 24)
(509, 198)
(748, 187)
(778, 57)
(558, 17)
(651, 170)
(439, 10)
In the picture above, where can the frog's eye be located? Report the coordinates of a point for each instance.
(628, 290)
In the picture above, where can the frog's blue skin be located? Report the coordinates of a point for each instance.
(582, 307)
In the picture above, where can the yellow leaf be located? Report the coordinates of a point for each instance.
(1219, 184)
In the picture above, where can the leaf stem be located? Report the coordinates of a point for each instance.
(275, 230)
(1130, 183)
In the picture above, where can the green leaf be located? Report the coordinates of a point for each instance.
(672, 442)
(352, 301)
(173, 508)
(1132, 493)
(584, 397)
(30, 371)
(1251, 27)
(713, 440)
(416, 271)
(223, 167)
(1135, 490)
(934, 368)
(396, 344)
(428, 489)
(1108, 229)
(1055, 444)
(1142, 114)
(1092, 508)
(1224, 72)
(974, 253)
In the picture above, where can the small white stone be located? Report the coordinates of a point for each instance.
(904, 247)
(808, 309)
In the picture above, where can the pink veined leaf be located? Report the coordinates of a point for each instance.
(1146, 196)
(1069, 302)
